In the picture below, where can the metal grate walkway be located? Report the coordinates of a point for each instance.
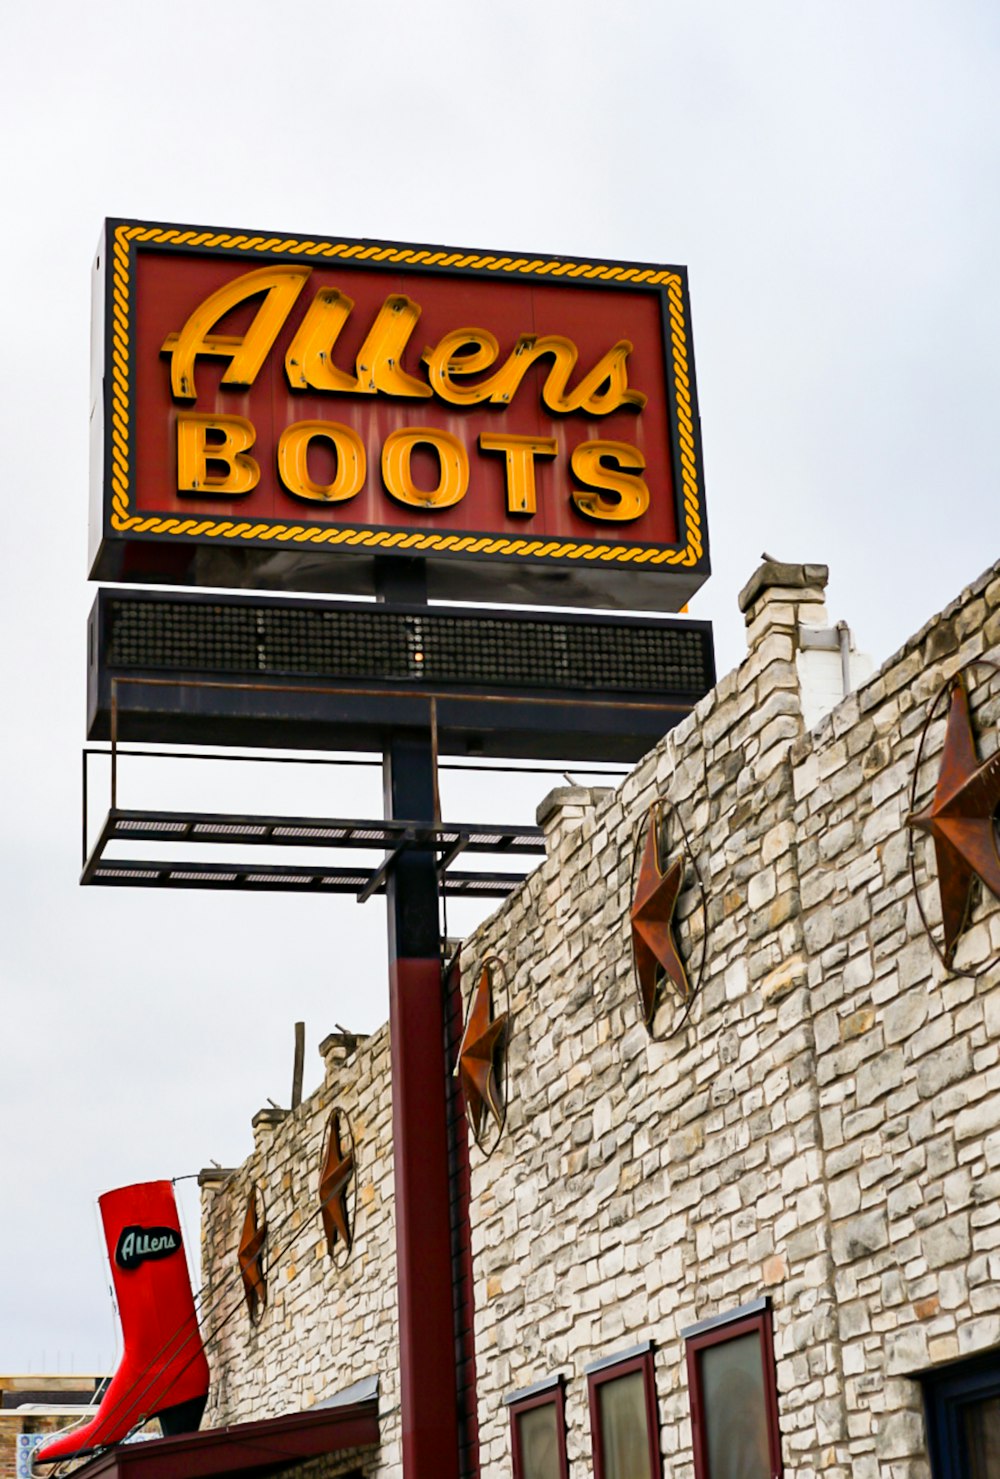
(392, 838)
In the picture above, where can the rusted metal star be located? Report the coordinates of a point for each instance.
(334, 1182)
(961, 819)
(480, 1058)
(653, 908)
(251, 1252)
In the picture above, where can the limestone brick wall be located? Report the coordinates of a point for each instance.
(328, 1323)
(824, 1129)
(908, 1079)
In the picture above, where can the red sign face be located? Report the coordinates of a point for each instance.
(339, 400)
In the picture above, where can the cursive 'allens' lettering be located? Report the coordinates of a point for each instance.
(378, 368)
(138, 1245)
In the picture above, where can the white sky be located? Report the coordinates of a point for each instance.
(829, 175)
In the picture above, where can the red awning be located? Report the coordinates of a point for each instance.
(258, 1448)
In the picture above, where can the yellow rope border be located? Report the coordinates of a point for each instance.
(124, 522)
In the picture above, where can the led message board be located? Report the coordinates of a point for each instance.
(278, 411)
(286, 672)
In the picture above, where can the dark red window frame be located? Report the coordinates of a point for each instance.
(755, 1318)
(551, 1395)
(610, 1370)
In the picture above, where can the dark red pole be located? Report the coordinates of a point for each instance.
(428, 1377)
(427, 1358)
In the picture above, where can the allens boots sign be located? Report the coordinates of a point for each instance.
(277, 411)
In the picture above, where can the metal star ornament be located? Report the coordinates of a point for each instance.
(961, 820)
(654, 946)
(251, 1251)
(480, 1059)
(334, 1183)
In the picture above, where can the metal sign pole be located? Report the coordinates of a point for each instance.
(428, 1373)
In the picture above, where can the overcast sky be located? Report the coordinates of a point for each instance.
(828, 173)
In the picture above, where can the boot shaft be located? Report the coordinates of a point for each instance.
(149, 1269)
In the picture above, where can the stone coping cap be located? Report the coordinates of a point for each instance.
(215, 1175)
(789, 577)
(344, 1042)
(560, 796)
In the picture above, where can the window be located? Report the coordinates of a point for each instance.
(962, 1404)
(624, 1426)
(734, 1401)
(538, 1431)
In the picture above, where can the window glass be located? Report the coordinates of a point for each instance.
(982, 1435)
(624, 1430)
(735, 1409)
(538, 1439)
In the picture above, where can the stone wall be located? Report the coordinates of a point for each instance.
(328, 1322)
(908, 1075)
(824, 1129)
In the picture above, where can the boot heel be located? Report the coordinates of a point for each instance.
(183, 1417)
